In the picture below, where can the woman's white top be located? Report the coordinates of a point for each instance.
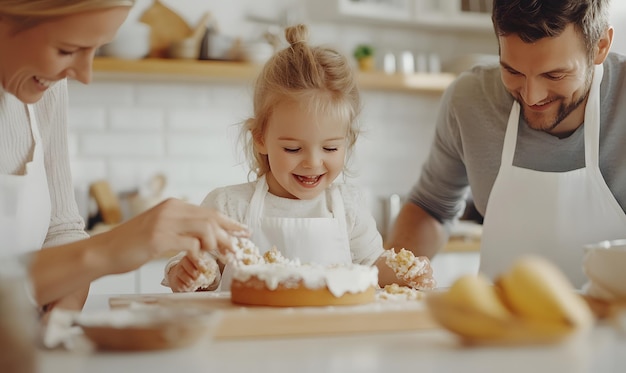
(16, 150)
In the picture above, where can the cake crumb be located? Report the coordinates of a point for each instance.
(395, 292)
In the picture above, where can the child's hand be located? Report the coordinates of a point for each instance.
(420, 276)
(416, 272)
(194, 272)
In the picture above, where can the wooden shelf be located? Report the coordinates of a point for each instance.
(154, 69)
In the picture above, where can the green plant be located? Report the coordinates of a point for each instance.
(362, 51)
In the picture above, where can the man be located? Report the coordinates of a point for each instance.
(538, 139)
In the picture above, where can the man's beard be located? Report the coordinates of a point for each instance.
(564, 109)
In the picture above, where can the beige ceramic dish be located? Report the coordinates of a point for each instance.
(604, 264)
(149, 328)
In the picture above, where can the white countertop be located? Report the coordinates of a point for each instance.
(425, 351)
(602, 350)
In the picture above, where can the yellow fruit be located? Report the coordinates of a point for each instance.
(531, 303)
(538, 291)
(471, 308)
(476, 292)
(463, 321)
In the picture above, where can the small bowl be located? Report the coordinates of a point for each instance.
(257, 52)
(604, 264)
(148, 328)
(132, 42)
(188, 49)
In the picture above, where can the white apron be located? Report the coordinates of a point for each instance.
(552, 214)
(25, 203)
(317, 240)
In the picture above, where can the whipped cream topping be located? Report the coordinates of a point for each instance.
(244, 252)
(275, 256)
(339, 279)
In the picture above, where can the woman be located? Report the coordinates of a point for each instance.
(43, 42)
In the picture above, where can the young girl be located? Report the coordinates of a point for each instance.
(304, 127)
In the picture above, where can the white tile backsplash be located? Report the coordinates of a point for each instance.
(101, 94)
(172, 94)
(141, 119)
(87, 117)
(194, 120)
(122, 144)
(86, 170)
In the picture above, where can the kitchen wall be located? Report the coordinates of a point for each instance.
(126, 131)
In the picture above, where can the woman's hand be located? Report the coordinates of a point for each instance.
(171, 226)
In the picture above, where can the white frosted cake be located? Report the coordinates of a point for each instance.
(291, 284)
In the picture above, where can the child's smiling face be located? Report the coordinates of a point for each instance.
(306, 152)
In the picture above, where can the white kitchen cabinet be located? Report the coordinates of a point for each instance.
(449, 14)
(430, 14)
(393, 10)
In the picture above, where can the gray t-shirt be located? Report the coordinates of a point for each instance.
(469, 137)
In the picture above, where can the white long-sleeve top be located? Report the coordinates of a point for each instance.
(16, 150)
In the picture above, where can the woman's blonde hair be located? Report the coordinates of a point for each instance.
(29, 13)
(318, 79)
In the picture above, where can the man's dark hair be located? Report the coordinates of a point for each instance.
(532, 20)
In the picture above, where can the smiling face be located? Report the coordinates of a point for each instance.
(550, 78)
(33, 59)
(306, 152)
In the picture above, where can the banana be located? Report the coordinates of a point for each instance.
(476, 328)
(476, 292)
(531, 303)
(471, 309)
(536, 290)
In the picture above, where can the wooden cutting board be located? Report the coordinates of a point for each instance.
(255, 322)
(166, 27)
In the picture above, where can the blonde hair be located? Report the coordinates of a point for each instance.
(29, 13)
(319, 79)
